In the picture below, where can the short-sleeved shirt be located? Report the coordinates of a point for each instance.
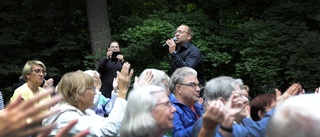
(27, 94)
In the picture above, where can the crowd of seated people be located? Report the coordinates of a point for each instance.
(157, 106)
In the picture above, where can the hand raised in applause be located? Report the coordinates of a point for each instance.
(124, 79)
(146, 80)
(19, 118)
(294, 89)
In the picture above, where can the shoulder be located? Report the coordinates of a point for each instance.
(22, 88)
(24, 91)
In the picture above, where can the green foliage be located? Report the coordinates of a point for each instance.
(54, 33)
(268, 44)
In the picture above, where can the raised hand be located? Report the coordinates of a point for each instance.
(294, 89)
(214, 114)
(146, 80)
(19, 117)
(234, 105)
(48, 83)
(124, 79)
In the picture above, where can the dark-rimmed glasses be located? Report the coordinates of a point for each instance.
(193, 85)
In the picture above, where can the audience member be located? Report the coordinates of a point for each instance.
(77, 89)
(33, 73)
(47, 83)
(244, 117)
(213, 116)
(23, 81)
(246, 90)
(184, 97)
(16, 124)
(19, 116)
(101, 105)
(220, 88)
(226, 90)
(296, 117)
(149, 113)
(262, 104)
(156, 77)
(108, 67)
(1, 102)
(184, 53)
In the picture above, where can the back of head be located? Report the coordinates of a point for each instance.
(222, 86)
(298, 116)
(160, 77)
(260, 103)
(178, 76)
(96, 77)
(138, 120)
(73, 84)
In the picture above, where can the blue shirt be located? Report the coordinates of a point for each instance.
(256, 129)
(184, 117)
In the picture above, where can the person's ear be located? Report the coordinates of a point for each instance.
(260, 114)
(222, 100)
(178, 88)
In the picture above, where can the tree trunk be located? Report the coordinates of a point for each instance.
(99, 28)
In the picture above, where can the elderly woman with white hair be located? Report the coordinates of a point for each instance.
(78, 90)
(149, 113)
(102, 105)
(155, 77)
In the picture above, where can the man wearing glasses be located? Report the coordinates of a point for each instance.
(185, 89)
(184, 53)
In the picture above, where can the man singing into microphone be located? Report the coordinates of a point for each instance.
(184, 53)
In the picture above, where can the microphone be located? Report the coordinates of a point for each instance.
(174, 39)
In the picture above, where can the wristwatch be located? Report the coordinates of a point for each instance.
(173, 54)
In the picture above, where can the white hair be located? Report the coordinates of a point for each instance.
(91, 72)
(298, 116)
(138, 120)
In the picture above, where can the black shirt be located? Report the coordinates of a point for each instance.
(189, 56)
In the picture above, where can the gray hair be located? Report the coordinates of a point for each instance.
(138, 120)
(298, 116)
(178, 76)
(159, 77)
(222, 86)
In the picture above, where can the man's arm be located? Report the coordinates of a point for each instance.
(102, 63)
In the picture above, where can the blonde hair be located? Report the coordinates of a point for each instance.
(27, 69)
(73, 84)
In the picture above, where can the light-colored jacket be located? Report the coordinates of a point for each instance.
(98, 126)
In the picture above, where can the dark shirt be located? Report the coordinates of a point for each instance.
(108, 71)
(189, 56)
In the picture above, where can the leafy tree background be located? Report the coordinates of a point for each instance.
(268, 44)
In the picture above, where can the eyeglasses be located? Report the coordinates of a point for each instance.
(167, 104)
(92, 88)
(37, 71)
(179, 31)
(193, 85)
